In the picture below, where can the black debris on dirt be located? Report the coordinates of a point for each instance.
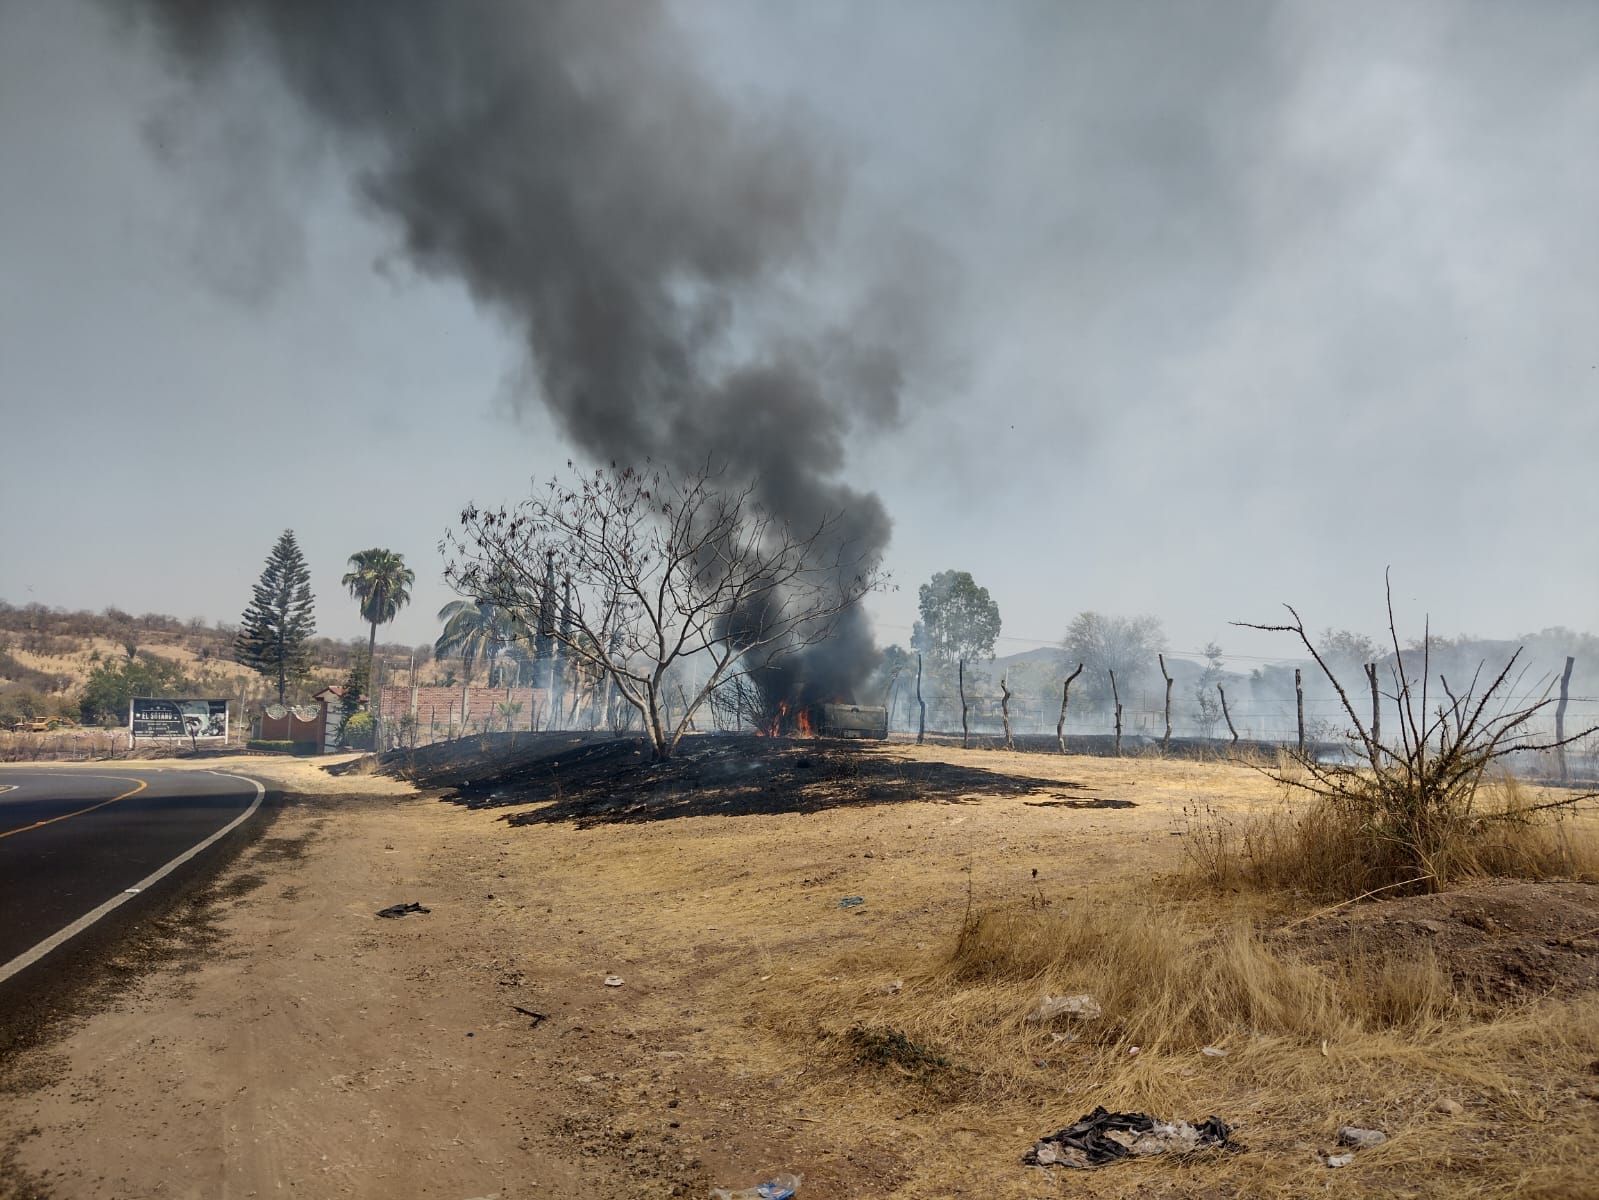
(1090, 803)
(1105, 1137)
(400, 910)
(597, 779)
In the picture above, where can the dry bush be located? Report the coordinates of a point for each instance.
(1322, 849)
(1405, 814)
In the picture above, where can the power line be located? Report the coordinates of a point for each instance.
(1044, 643)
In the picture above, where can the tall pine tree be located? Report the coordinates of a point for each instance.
(275, 635)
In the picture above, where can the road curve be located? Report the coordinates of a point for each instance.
(77, 844)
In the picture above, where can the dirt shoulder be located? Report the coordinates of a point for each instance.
(312, 1048)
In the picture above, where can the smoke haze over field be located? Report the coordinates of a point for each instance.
(1171, 309)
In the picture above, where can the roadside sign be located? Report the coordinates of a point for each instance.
(203, 719)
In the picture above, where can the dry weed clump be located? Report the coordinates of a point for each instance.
(1180, 978)
(1403, 814)
(1329, 849)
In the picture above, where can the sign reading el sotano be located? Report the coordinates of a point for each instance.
(178, 718)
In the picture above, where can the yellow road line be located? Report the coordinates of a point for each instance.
(52, 820)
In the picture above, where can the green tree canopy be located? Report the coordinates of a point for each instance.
(380, 582)
(114, 683)
(476, 631)
(275, 634)
(959, 619)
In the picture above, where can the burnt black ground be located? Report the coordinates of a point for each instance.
(594, 779)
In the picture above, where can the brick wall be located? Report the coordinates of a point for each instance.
(438, 710)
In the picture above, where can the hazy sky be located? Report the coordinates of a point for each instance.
(1218, 305)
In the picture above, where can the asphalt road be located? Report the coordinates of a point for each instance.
(77, 844)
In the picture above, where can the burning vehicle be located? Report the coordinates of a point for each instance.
(855, 721)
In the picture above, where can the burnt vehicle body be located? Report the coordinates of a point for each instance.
(854, 720)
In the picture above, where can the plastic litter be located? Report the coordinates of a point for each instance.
(1340, 1160)
(851, 901)
(614, 981)
(399, 910)
(1105, 1137)
(1050, 1007)
(1360, 1139)
(779, 1187)
(1214, 1052)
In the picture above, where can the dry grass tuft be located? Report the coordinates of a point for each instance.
(1321, 847)
(1171, 978)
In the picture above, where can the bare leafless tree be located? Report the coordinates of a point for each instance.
(669, 570)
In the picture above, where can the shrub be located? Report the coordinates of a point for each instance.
(1405, 815)
(358, 731)
(271, 745)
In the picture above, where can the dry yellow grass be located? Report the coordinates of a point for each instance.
(1381, 1046)
(1307, 846)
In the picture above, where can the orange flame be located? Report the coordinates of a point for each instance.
(787, 722)
(774, 724)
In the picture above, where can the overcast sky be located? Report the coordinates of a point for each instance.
(1218, 305)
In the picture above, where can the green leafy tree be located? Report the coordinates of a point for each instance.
(380, 582)
(475, 631)
(113, 684)
(275, 634)
(357, 683)
(959, 619)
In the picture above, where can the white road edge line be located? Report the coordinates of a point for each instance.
(28, 957)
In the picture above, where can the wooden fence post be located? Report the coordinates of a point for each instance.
(1299, 696)
(1376, 706)
(1165, 742)
(1560, 717)
(1220, 691)
(921, 727)
(1116, 698)
(1004, 710)
(960, 679)
(1065, 695)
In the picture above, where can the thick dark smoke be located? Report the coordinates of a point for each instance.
(647, 238)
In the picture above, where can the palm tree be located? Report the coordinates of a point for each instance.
(380, 581)
(474, 629)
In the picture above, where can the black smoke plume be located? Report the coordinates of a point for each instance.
(649, 240)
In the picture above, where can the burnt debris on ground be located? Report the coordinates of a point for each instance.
(602, 779)
(1089, 802)
(1105, 1137)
